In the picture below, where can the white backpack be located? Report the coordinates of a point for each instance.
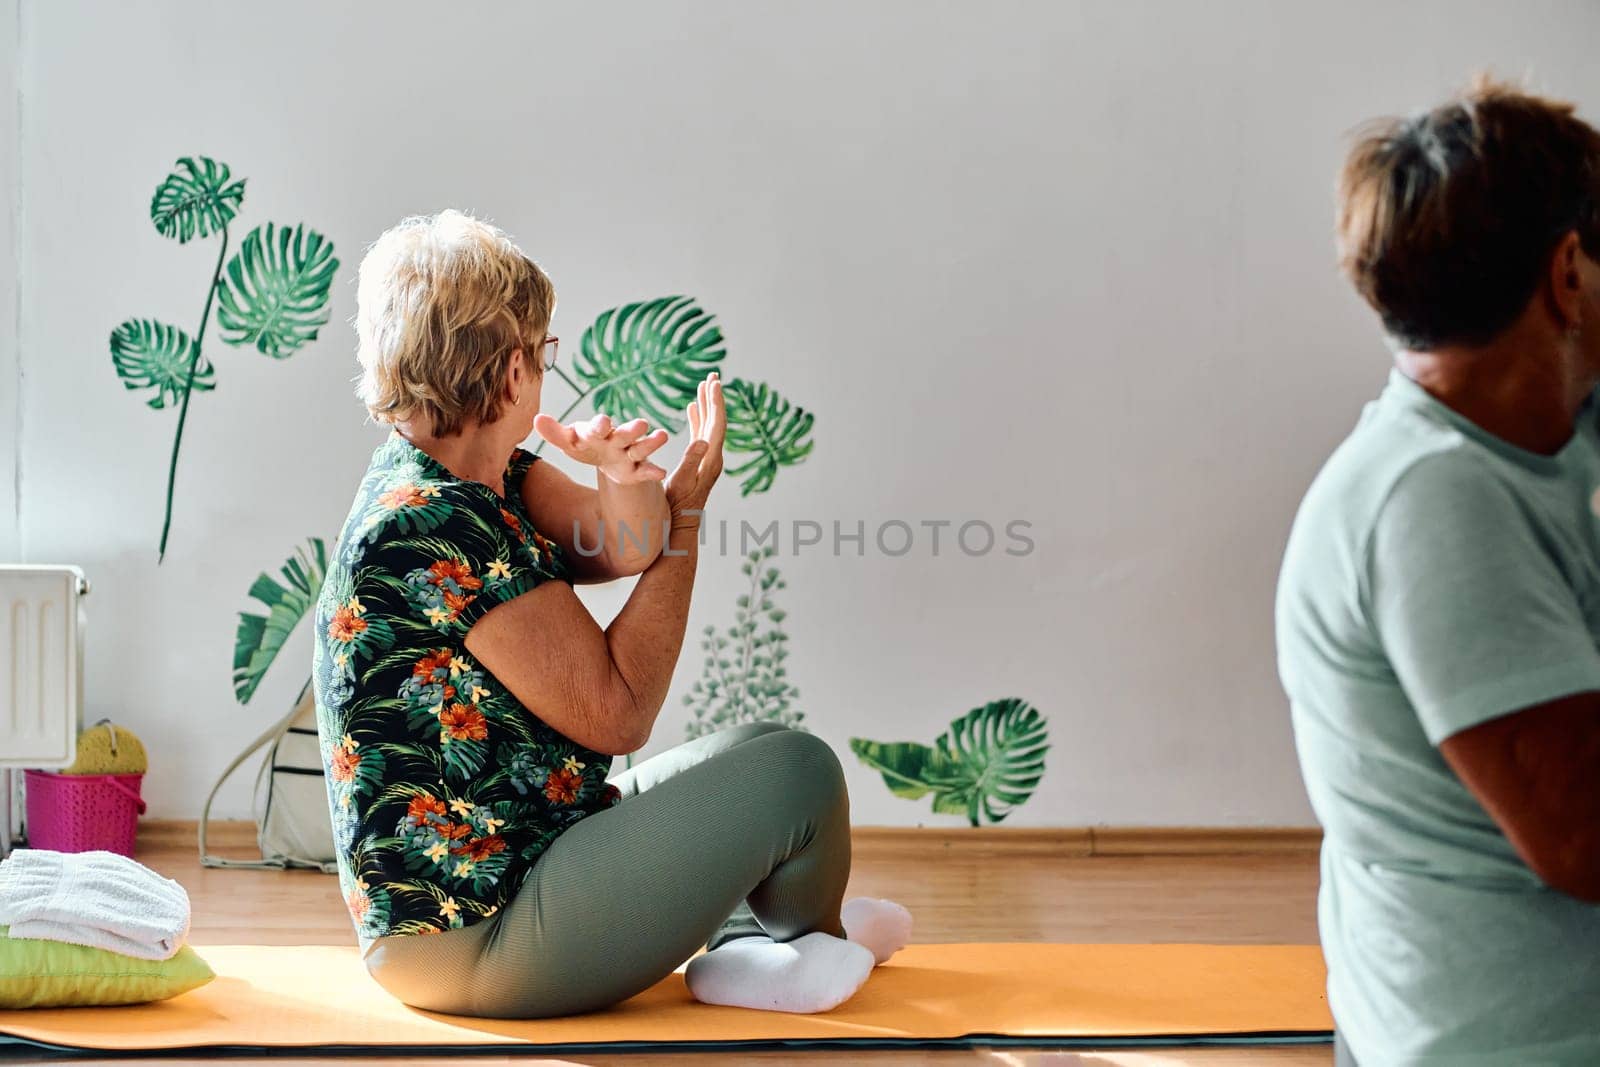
(293, 828)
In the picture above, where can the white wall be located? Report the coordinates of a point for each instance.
(10, 529)
(1062, 261)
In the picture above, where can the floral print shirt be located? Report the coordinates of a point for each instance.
(444, 789)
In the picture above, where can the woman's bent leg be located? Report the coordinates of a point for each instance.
(741, 922)
(623, 897)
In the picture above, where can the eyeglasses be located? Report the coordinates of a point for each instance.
(551, 344)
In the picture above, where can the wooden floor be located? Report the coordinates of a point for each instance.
(960, 890)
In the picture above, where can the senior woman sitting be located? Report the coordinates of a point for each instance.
(469, 705)
(1439, 604)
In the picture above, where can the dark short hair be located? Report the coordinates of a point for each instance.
(1447, 219)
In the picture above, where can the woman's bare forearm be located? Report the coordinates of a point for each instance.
(646, 636)
(632, 518)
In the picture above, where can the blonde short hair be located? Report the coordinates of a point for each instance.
(443, 300)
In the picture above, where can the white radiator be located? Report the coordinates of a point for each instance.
(41, 673)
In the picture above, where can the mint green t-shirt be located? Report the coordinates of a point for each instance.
(1438, 577)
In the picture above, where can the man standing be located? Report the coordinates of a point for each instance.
(1439, 607)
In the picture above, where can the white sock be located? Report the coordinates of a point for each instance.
(880, 925)
(812, 973)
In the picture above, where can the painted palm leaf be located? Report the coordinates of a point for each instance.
(153, 355)
(988, 763)
(904, 766)
(274, 291)
(260, 637)
(764, 424)
(196, 200)
(647, 359)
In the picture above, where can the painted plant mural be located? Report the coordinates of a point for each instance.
(988, 763)
(260, 638)
(641, 359)
(744, 678)
(272, 295)
(644, 360)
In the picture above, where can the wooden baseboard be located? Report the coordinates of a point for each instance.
(228, 837)
(1045, 840)
(1098, 840)
(233, 835)
(1203, 840)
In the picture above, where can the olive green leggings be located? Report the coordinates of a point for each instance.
(745, 831)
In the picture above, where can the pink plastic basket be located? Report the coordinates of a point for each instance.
(83, 812)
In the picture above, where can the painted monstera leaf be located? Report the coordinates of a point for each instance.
(647, 359)
(260, 637)
(764, 424)
(988, 763)
(273, 294)
(904, 765)
(991, 759)
(196, 199)
(153, 355)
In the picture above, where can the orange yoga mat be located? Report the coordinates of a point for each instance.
(316, 998)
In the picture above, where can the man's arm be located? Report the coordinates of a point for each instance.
(1537, 773)
(616, 529)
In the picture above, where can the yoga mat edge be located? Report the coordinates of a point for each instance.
(1013, 994)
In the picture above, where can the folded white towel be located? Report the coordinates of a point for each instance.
(99, 899)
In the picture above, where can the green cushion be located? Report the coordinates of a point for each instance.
(53, 974)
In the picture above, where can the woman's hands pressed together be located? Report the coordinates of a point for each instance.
(634, 505)
(621, 453)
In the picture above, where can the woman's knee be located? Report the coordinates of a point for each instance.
(746, 731)
(804, 761)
